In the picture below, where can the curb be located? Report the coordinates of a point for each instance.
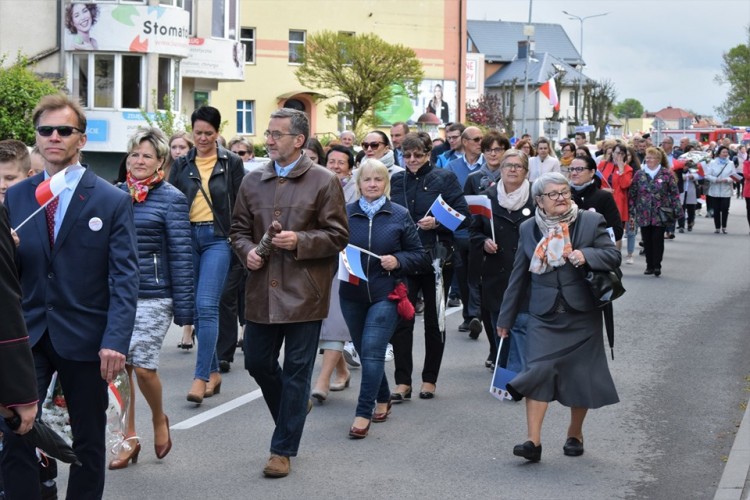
(736, 477)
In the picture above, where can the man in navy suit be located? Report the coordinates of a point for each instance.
(77, 261)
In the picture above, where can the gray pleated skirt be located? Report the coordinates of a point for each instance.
(566, 361)
(152, 320)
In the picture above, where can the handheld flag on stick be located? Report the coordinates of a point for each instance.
(500, 378)
(350, 265)
(47, 191)
(446, 215)
(481, 205)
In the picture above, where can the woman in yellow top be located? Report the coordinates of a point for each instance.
(210, 177)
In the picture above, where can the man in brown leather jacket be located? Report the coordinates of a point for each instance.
(288, 291)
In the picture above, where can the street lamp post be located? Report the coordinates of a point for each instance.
(580, 80)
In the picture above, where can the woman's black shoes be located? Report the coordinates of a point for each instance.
(528, 451)
(573, 447)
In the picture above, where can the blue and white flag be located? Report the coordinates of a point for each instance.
(350, 265)
(446, 215)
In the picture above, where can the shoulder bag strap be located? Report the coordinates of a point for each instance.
(213, 211)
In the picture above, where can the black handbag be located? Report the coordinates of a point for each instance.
(666, 216)
(605, 286)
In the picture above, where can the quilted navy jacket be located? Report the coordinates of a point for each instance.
(165, 255)
(390, 232)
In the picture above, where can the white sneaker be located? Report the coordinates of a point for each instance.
(389, 353)
(351, 356)
(629, 260)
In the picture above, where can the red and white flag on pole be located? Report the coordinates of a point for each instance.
(51, 187)
(481, 205)
(549, 89)
(48, 190)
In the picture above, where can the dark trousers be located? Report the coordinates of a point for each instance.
(461, 269)
(86, 396)
(286, 390)
(689, 214)
(434, 339)
(721, 212)
(747, 208)
(231, 308)
(653, 245)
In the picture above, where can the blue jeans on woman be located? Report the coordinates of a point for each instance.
(211, 258)
(371, 326)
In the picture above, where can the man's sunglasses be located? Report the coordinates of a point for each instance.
(62, 130)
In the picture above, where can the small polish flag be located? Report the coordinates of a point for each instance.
(350, 265)
(549, 89)
(48, 190)
(51, 187)
(479, 205)
(445, 214)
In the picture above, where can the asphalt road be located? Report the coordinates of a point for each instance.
(681, 369)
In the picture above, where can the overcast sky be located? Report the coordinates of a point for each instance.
(661, 52)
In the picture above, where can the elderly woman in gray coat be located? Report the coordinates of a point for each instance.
(565, 347)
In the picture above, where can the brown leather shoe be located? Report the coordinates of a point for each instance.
(197, 391)
(213, 386)
(277, 466)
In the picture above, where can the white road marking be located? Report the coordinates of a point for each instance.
(242, 400)
(219, 410)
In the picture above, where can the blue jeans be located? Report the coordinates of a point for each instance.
(371, 327)
(517, 338)
(211, 258)
(631, 237)
(286, 391)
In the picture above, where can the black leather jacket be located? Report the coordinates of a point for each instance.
(222, 186)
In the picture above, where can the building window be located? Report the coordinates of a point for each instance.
(296, 46)
(104, 81)
(131, 81)
(113, 81)
(80, 86)
(168, 84)
(247, 37)
(246, 117)
(224, 19)
(572, 98)
(343, 116)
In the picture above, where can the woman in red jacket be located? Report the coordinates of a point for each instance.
(619, 175)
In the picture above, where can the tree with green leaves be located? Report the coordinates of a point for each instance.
(363, 69)
(628, 108)
(165, 119)
(735, 72)
(20, 91)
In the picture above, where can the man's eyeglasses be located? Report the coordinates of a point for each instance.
(416, 156)
(494, 151)
(577, 170)
(555, 195)
(242, 153)
(475, 139)
(276, 135)
(62, 130)
(453, 137)
(371, 145)
(513, 166)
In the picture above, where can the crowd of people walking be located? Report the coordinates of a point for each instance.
(332, 249)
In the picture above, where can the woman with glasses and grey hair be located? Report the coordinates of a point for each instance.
(165, 292)
(565, 353)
